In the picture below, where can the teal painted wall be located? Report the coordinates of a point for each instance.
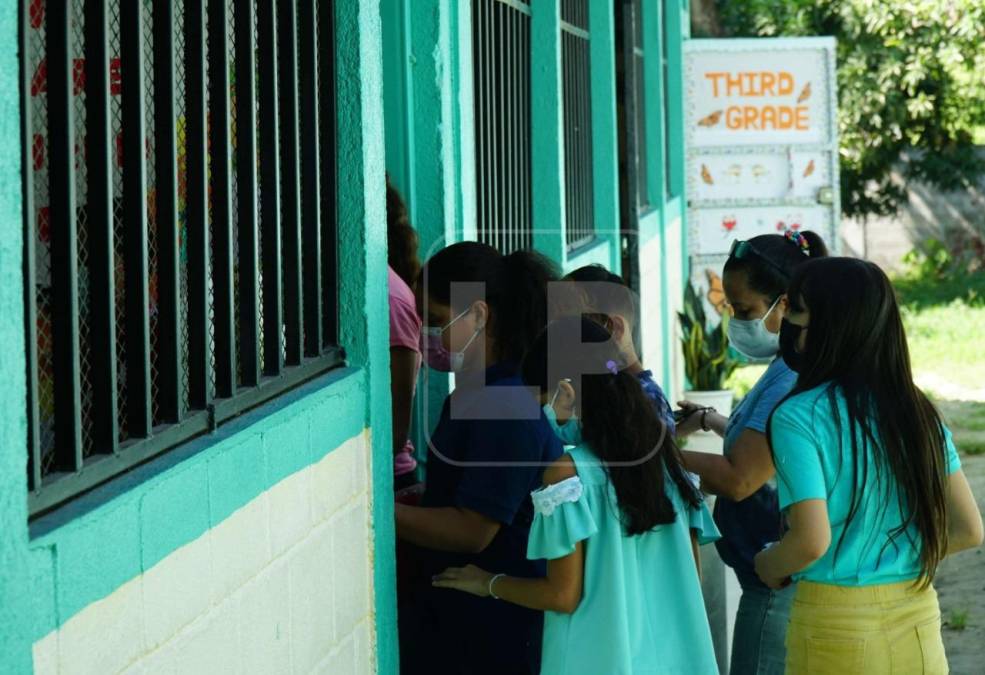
(85, 550)
(363, 286)
(16, 600)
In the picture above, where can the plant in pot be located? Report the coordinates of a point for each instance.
(707, 364)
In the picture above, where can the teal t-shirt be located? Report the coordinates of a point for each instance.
(813, 456)
(641, 611)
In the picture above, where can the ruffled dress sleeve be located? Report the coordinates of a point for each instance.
(700, 519)
(562, 518)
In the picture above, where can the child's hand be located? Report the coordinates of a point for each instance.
(470, 579)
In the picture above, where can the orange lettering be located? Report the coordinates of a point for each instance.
(769, 117)
(800, 117)
(786, 84)
(751, 90)
(768, 80)
(714, 77)
(785, 117)
(733, 117)
(750, 117)
(733, 82)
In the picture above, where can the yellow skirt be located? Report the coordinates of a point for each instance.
(887, 628)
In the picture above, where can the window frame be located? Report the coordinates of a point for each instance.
(302, 219)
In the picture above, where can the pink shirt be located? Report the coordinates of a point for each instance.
(405, 331)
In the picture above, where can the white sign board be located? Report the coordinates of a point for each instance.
(761, 142)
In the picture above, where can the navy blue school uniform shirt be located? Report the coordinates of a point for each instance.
(487, 454)
(749, 525)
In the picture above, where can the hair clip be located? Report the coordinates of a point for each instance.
(799, 240)
(612, 366)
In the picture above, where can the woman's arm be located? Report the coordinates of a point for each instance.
(451, 529)
(404, 363)
(559, 591)
(806, 541)
(692, 422)
(964, 521)
(737, 475)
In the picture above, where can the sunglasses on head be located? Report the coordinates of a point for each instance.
(743, 249)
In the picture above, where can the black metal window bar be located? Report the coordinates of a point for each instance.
(501, 82)
(577, 93)
(639, 111)
(180, 238)
(665, 81)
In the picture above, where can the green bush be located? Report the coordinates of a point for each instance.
(910, 90)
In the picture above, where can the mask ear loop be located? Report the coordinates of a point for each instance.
(558, 390)
(772, 307)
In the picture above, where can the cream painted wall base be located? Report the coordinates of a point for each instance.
(283, 585)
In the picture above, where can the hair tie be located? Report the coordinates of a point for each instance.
(799, 240)
(612, 366)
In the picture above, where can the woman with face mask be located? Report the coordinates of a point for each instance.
(869, 481)
(756, 276)
(481, 311)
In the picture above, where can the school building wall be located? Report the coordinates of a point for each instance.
(264, 547)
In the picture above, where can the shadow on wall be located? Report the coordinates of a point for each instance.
(955, 218)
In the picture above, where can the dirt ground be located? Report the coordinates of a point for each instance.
(960, 585)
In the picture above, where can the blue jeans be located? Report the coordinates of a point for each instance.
(758, 641)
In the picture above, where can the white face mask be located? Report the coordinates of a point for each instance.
(751, 339)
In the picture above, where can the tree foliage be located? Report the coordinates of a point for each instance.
(911, 87)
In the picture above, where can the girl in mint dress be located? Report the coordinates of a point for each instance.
(618, 520)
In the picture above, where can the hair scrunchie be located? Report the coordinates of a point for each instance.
(799, 240)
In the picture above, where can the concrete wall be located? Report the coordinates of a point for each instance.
(282, 584)
(955, 218)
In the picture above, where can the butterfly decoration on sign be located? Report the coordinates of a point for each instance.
(805, 93)
(716, 291)
(706, 175)
(710, 120)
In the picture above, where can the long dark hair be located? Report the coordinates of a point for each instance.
(401, 238)
(773, 261)
(620, 425)
(515, 290)
(856, 344)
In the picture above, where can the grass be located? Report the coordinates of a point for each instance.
(957, 619)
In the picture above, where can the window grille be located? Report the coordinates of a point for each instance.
(577, 93)
(639, 112)
(180, 239)
(501, 83)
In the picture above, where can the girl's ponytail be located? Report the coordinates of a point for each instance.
(520, 305)
(817, 247)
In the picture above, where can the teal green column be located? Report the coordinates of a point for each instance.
(362, 267)
(605, 151)
(439, 159)
(16, 597)
(398, 99)
(678, 30)
(546, 122)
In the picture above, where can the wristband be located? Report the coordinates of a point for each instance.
(491, 582)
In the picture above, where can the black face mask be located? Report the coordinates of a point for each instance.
(789, 334)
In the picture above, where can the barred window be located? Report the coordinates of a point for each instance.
(639, 111)
(576, 84)
(501, 83)
(180, 239)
